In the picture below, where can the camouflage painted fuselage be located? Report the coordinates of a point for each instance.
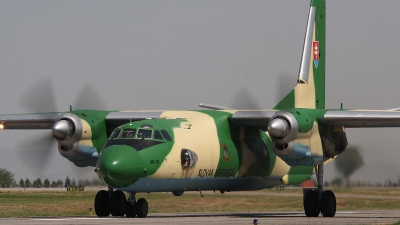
(228, 157)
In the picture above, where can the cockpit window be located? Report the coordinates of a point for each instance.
(128, 133)
(157, 135)
(144, 133)
(115, 133)
(166, 135)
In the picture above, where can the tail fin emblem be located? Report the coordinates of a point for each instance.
(316, 53)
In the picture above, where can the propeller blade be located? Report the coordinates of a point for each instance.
(244, 100)
(286, 83)
(80, 173)
(39, 97)
(90, 98)
(36, 153)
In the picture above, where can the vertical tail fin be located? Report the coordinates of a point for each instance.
(310, 89)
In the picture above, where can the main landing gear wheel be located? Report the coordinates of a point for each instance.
(328, 204)
(102, 204)
(320, 201)
(311, 204)
(117, 203)
(141, 208)
(130, 210)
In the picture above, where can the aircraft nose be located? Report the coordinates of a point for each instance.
(120, 166)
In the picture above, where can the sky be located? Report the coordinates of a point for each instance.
(143, 55)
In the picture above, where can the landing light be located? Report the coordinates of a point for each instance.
(2, 126)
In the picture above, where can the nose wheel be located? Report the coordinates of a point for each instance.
(115, 202)
(319, 201)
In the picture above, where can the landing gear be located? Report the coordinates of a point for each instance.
(328, 204)
(319, 201)
(141, 208)
(114, 202)
(130, 206)
(118, 201)
(311, 204)
(102, 204)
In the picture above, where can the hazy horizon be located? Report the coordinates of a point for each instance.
(176, 54)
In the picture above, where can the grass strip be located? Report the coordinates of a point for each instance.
(28, 203)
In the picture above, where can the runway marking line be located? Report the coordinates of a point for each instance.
(76, 218)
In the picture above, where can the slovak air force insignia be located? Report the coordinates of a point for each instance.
(225, 156)
(315, 45)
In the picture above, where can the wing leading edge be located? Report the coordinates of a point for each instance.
(258, 118)
(29, 121)
(361, 118)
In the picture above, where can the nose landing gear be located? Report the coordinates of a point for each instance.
(115, 202)
(319, 201)
(136, 208)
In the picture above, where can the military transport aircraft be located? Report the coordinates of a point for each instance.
(219, 149)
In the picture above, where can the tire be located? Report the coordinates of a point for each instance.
(311, 204)
(328, 204)
(130, 210)
(141, 208)
(117, 203)
(102, 204)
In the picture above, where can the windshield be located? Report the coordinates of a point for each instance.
(115, 133)
(128, 133)
(144, 133)
(166, 135)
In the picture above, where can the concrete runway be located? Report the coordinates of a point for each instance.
(342, 217)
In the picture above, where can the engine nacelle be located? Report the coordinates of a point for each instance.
(68, 130)
(282, 129)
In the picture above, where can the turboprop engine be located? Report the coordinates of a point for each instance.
(74, 140)
(291, 134)
(300, 141)
(282, 129)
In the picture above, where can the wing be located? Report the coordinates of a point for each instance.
(123, 117)
(257, 118)
(40, 121)
(361, 118)
(28, 121)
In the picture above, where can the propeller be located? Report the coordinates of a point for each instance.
(37, 152)
(286, 83)
(278, 127)
(39, 97)
(244, 99)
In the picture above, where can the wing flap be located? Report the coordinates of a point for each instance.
(361, 118)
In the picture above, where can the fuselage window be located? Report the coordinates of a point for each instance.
(157, 135)
(166, 135)
(115, 134)
(144, 133)
(128, 133)
(188, 158)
